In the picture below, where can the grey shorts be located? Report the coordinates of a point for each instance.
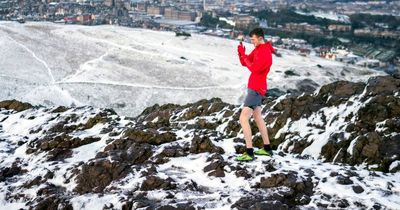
(253, 99)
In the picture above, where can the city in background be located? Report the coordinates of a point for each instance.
(364, 33)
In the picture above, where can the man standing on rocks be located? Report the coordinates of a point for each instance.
(258, 62)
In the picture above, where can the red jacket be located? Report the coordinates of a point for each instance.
(258, 62)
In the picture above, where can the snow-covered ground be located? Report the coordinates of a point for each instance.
(129, 69)
(379, 189)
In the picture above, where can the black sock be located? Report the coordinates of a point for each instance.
(267, 147)
(250, 151)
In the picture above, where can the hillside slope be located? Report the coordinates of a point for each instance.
(129, 69)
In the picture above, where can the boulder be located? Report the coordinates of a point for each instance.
(204, 144)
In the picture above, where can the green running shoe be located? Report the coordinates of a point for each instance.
(263, 152)
(244, 157)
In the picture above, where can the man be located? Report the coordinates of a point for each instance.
(258, 62)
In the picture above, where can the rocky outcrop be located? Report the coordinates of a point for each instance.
(171, 151)
(11, 171)
(300, 188)
(154, 182)
(216, 166)
(258, 202)
(204, 144)
(368, 114)
(15, 105)
(150, 136)
(57, 135)
(113, 163)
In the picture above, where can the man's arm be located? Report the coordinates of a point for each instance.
(257, 63)
(250, 57)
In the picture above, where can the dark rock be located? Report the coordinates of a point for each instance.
(139, 201)
(307, 86)
(59, 146)
(341, 203)
(290, 72)
(175, 151)
(150, 136)
(233, 127)
(358, 189)
(57, 154)
(59, 109)
(178, 206)
(257, 202)
(204, 144)
(269, 165)
(53, 202)
(8, 172)
(125, 150)
(36, 181)
(333, 173)
(98, 174)
(344, 180)
(163, 114)
(339, 91)
(203, 108)
(300, 188)
(299, 146)
(275, 93)
(382, 85)
(155, 182)
(240, 149)
(15, 105)
(101, 117)
(50, 189)
(216, 168)
(152, 170)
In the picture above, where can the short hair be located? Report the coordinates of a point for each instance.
(258, 32)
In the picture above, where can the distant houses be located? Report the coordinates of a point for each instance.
(167, 12)
(362, 55)
(304, 27)
(84, 19)
(377, 33)
(371, 52)
(243, 21)
(339, 27)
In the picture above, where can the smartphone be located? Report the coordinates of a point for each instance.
(241, 39)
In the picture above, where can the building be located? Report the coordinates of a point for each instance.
(303, 27)
(170, 13)
(377, 33)
(142, 6)
(371, 52)
(245, 21)
(175, 14)
(338, 27)
(155, 10)
(71, 19)
(186, 15)
(370, 63)
(84, 18)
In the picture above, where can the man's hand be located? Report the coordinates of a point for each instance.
(241, 49)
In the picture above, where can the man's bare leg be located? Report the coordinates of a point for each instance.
(261, 124)
(244, 122)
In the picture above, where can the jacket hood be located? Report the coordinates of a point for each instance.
(269, 45)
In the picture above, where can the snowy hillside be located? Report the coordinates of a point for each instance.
(130, 69)
(336, 149)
